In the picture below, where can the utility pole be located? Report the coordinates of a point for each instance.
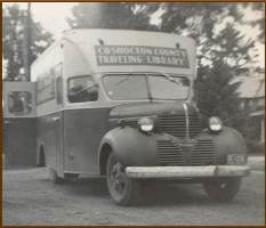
(27, 42)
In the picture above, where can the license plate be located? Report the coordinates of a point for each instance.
(235, 159)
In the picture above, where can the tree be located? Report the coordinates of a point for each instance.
(13, 28)
(229, 46)
(216, 94)
(113, 16)
(214, 27)
(259, 8)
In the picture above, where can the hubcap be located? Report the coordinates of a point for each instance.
(117, 178)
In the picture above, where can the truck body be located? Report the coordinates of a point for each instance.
(119, 103)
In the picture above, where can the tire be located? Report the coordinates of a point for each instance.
(41, 159)
(222, 190)
(123, 190)
(54, 177)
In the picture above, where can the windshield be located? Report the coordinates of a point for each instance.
(146, 86)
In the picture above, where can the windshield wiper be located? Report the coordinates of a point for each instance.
(147, 84)
(77, 93)
(170, 78)
(122, 80)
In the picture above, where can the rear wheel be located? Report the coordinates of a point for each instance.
(122, 189)
(41, 159)
(54, 177)
(222, 190)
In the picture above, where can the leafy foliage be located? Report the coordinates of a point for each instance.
(216, 93)
(258, 7)
(13, 40)
(112, 16)
(213, 26)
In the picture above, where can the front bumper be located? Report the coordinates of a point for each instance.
(187, 171)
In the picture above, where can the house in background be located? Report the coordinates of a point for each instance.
(252, 93)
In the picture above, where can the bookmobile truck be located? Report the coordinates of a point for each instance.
(119, 104)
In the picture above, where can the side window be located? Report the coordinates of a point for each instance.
(82, 89)
(20, 102)
(46, 88)
(59, 90)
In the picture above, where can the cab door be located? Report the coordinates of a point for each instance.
(85, 123)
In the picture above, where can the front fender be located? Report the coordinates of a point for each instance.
(228, 141)
(130, 146)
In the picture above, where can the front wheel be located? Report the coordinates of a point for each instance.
(122, 189)
(222, 190)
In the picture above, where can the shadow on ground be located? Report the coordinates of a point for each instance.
(152, 194)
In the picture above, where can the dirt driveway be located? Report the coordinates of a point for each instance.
(30, 198)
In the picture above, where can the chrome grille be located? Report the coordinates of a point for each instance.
(202, 153)
(175, 124)
(169, 154)
(194, 125)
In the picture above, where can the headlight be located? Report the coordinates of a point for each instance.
(146, 124)
(215, 124)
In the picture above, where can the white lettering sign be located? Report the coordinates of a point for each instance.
(140, 55)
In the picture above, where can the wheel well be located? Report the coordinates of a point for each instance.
(41, 159)
(104, 154)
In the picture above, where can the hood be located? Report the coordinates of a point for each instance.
(147, 108)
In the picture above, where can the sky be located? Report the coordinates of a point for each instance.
(53, 16)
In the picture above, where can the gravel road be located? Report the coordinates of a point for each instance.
(30, 198)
